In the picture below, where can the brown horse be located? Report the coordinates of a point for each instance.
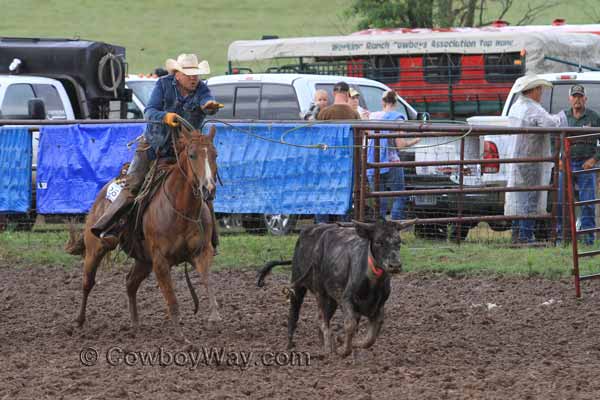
(177, 227)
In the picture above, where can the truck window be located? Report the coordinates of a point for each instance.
(279, 102)
(371, 96)
(441, 68)
(328, 87)
(246, 102)
(54, 105)
(16, 98)
(224, 94)
(142, 89)
(560, 96)
(502, 67)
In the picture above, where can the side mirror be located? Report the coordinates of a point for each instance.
(36, 109)
(423, 116)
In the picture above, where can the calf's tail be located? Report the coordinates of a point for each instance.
(264, 271)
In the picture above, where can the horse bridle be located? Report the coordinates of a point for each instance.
(196, 189)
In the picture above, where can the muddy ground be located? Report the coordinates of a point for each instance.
(455, 338)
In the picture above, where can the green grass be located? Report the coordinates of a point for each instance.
(154, 30)
(29, 248)
(475, 256)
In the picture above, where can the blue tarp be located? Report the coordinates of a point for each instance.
(75, 161)
(261, 175)
(15, 169)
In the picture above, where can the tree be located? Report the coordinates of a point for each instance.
(393, 13)
(436, 13)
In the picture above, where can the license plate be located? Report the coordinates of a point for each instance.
(425, 200)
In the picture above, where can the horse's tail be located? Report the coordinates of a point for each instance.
(75, 244)
(191, 288)
(264, 271)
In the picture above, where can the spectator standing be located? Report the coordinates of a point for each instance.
(528, 112)
(584, 155)
(354, 102)
(339, 110)
(391, 179)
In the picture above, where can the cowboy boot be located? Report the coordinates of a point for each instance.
(133, 181)
(112, 214)
(215, 233)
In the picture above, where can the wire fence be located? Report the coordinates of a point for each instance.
(454, 181)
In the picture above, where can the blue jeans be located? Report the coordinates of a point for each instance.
(586, 184)
(393, 180)
(523, 230)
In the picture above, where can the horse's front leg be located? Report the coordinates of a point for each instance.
(202, 263)
(162, 270)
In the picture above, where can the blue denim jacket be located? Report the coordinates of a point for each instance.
(166, 98)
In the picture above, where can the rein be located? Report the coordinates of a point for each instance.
(179, 213)
(197, 194)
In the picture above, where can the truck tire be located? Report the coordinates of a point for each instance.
(274, 224)
(280, 224)
(254, 224)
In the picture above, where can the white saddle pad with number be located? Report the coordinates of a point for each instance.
(113, 190)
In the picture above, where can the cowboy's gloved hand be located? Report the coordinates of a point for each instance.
(211, 106)
(171, 119)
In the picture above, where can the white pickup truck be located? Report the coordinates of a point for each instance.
(553, 100)
(16, 91)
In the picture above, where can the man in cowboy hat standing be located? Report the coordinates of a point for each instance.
(528, 112)
(180, 93)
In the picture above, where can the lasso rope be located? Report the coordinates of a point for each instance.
(324, 146)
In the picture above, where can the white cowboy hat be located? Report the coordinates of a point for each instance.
(188, 64)
(530, 81)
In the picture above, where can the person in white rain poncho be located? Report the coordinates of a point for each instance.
(528, 112)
